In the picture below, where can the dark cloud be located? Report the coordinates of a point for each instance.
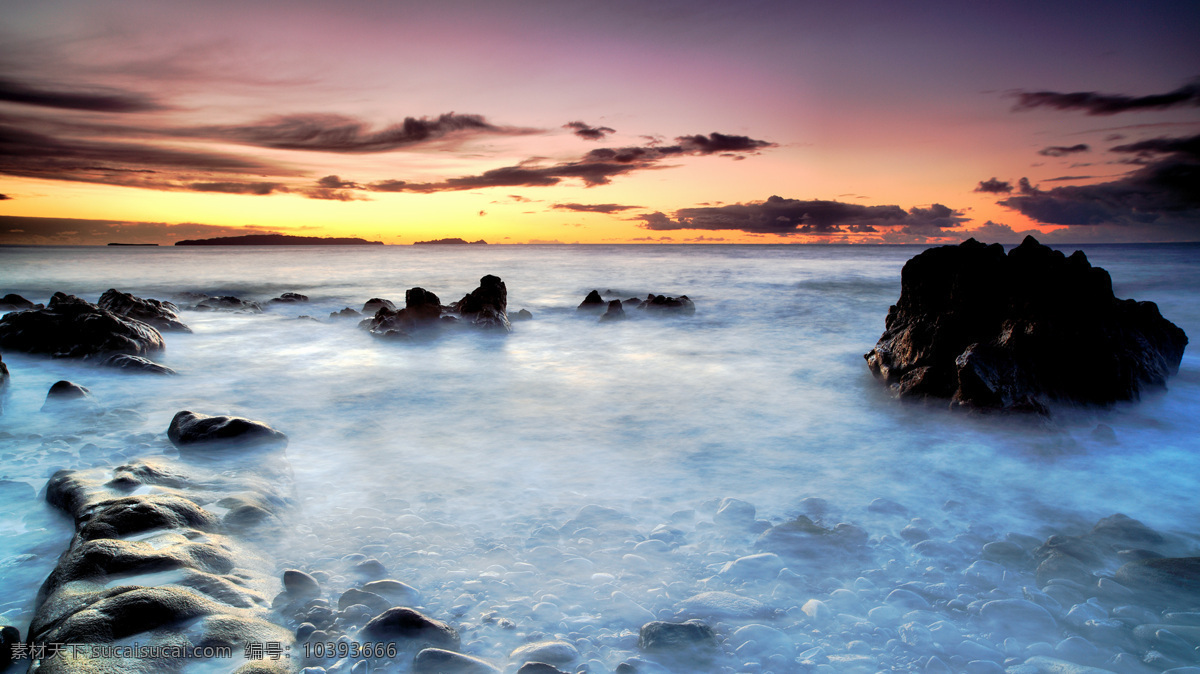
(338, 133)
(258, 188)
(77, 231)
(597, 167)
(1165, 190)
(778, 215)
(336, 183)
(588, 132)
(1109, 104)
(1064, 179)
(994, 186)
(107, 100)
(4, 197)
(594, 208)
(1062, 150)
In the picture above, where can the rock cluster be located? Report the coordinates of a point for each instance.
(151, 562)
(160, 314)
(1019, 331)
(70, 327)
(484, 308)
(614, 310)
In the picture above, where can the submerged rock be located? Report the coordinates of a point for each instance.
(345, 313)
(125, 361)
(667, 637)
(189, 429)
(73, 328)
(1173, 581)
(289, 298)
(4, 377)
(66, 394)
(438, 661)
(375, 304)
(661, 304)
(522, 315)
(410, 629)
(160, 314)
(615, 312)
(1015, 332)
(228, 303)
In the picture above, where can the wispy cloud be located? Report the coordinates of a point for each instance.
(587, 132)
(778, 215)
(1063, 150)
(594, 208)
(92, 100)
(1108, 104)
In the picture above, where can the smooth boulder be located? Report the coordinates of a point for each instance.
(70, 327)
(410, 629)
(1016, 332)
(192, 430)
(14, 302)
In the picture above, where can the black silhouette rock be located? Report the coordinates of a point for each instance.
(1016, 332)
(73, 328)
(160, 314)
(486, 306)
(289, 298)
(661, 304)
(189, 429)
(14, 302)
(593, 303)
(616, 312)
(228, 303)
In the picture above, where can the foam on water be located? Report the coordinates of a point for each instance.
(429, 455)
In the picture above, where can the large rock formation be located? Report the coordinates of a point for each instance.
(161, 556)
(486, 306)
(74, 328)
(160, 314)
(993, 331)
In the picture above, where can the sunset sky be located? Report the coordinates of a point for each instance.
(600, 122)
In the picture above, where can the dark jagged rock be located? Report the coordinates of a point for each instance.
(375, 304)
(410, 629)
(289, 298)
(422, 306)
(192, 430)
(486, 306)
(228, 303)
(667, 637)
(593, 303)
(14, 302)
(615, 312)
(73, 328)
(1015, 332)
(160, 314)
(345, 313)
(680, 306)
(522, 315)
(125, 361)
(9, 637)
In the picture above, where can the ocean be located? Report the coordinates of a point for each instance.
(432, 454)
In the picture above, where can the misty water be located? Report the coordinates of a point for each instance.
(457, 461)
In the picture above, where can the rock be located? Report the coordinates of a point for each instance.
(299, 584)
(410, 630)
(400, 593)
(661, 304)
(1126, 532)
(192, 430)
(438, 661)
(9, 637)
(73, 328)
(734, 513)
(369, 599)
(160, 314)
(666, 637)
(522, 315)
(1016, 332)
(289, 298)
(345, 313)
(486, 306)
(593, 303)
(124, 361)
(1019, 617)
(549, 652)
(1173, 581)
(228, 303)
(722, 605)
(763, 566)
(14, 302)
(1040, 664)
(64, 394)
(803, 539)
(422, 306)
(375, 304)
(539, 668)
(615, 312)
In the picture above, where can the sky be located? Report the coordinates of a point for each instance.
(557, 121)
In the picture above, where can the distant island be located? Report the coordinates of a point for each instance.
(133, 244)
(278, 240)
(438, 242)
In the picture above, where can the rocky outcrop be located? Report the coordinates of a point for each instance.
(1019, 331)
(14, 302)
(125, 361)
(375, 304)
(486, 307)
(593, 303)
(661, 304)
(160, 314)
(3, 383)
(289, 298)
(160, 556)
(73, 328)
(616, 312)
(190, 430)
(228, 303)
(483, 308)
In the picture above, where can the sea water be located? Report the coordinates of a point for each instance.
(448, 458)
